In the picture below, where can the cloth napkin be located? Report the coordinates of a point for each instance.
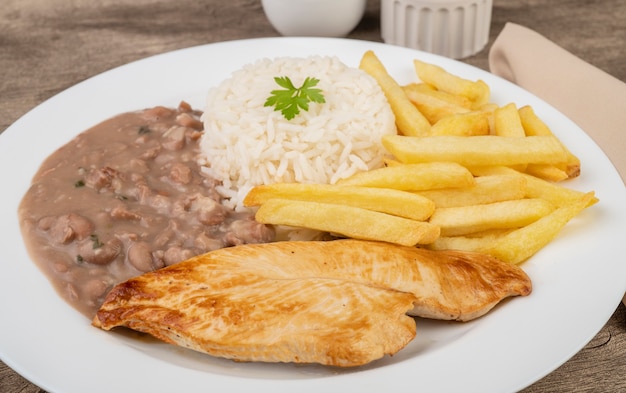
(592, 98)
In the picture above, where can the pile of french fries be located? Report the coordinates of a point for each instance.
(463, 173)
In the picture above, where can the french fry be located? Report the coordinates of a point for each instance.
(560, 196)
(492, 170)
(455, 221)
(384, 200)
(391, 162)
(534, 126)
(468, 242)
(433, 104)
(462, 124)
(547, 172)
(478, 92)
(521, 244)
(507, 121)
(531, 123)
(348, 221)
(512, 208)
(536, 187)
(442, 96)
(476, 150)
(493, 233)
(487, 189)
(415, 177)
(489, 109)
(409, 120)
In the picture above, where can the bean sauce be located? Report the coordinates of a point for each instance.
(124, 198)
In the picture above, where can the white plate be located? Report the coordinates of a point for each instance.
(578, 279)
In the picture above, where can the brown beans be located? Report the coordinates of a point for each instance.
(174, 138)
(94, 251)
(66, 228)
(140, 256)
(180, 173)
(247, 231)
(177, 254)
(101, 178)
(208, 212)
(95, 288)
(186, 120)
(129, 197)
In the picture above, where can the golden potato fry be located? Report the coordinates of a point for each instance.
(455, 99)
(489, 109)
(384, 200)
(476, 150)
(531, 123)
(478, 92)
(560, 196)
(493, 233)
(547, 172)
(462, 124)
(409, 120)
(391, 162)
(536, 187)
(431, 103)
(415, 177)
(534, 126)
(348, 221)
(425, 87)
(521, 244)
(470, 242)
(492, 170)
(455, 221)
(507, 121)
(487, 189)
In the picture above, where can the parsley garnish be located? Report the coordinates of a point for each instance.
(95, 241)
(291, 99)
(144, 130)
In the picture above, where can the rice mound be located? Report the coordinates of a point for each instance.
(247, 144)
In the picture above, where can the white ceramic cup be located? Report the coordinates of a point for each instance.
(320, 18)
(451, 28)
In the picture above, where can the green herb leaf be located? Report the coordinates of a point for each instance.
(290, 100)
(96, 243)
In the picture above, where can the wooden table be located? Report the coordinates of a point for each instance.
(47, 46)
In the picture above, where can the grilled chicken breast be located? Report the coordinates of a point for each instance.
(340, 303)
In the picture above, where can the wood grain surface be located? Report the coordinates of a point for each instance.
(47, 46)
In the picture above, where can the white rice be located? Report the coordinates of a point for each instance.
(246, 144)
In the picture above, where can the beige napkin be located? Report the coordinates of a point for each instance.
(593, 99)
